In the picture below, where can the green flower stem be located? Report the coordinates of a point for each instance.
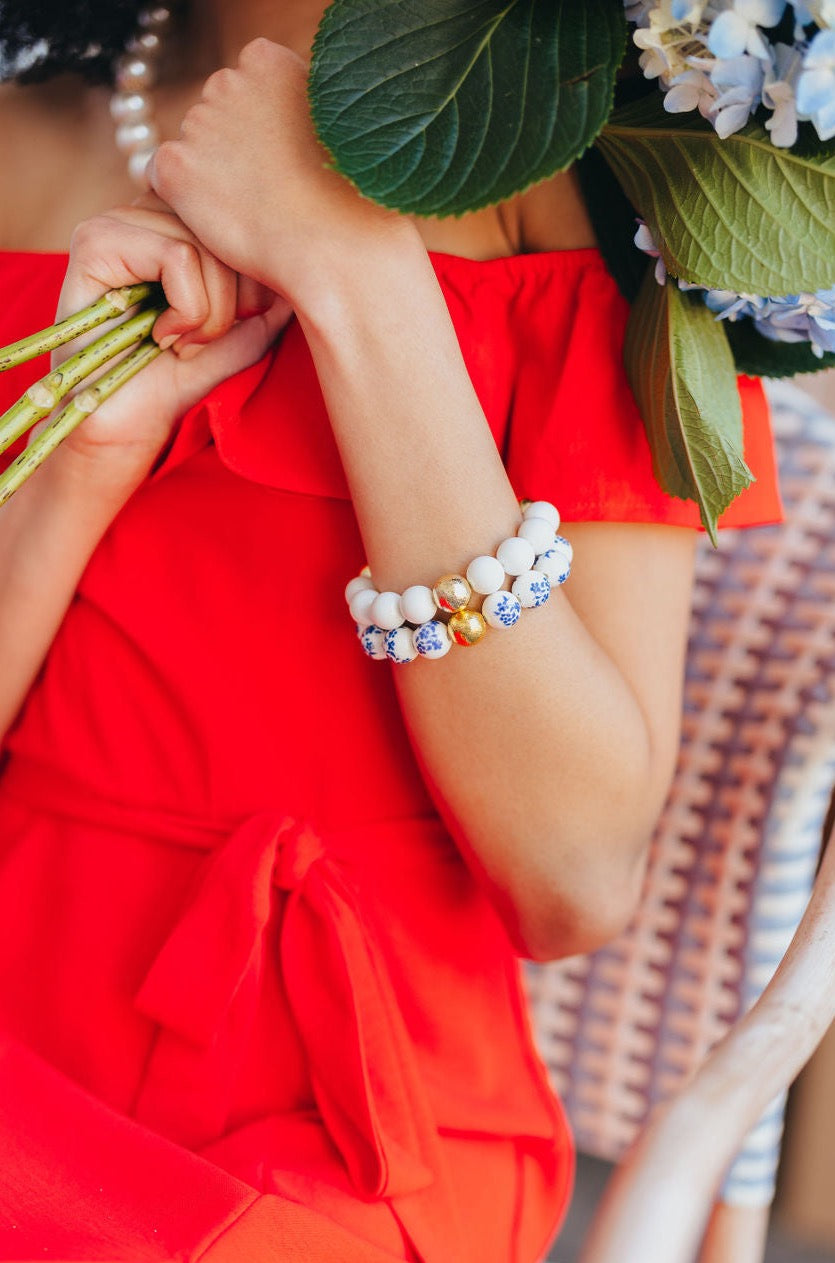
(114, 303)
(79, 407)
(45, 395)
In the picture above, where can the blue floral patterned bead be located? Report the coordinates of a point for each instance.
(565, 546)
(432, 640)
(400, 645)
(501, 609)
(532, 588)
(556, 564)
(372, 640)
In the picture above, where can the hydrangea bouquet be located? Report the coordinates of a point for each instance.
(715, 157)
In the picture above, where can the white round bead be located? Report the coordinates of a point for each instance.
(543, 508)
(562, 545)
(386, 611)
(138, 166)
(400, 644)
(360, 605)
(373, 641)
(129, 107)
(485, 575)
(501, 609)
(538, 532)
(134, 73)
(155, 18)
(532, 588)
(516, 555)
(418, 604)
(555, 565)
(131, 137)
(147, 44)
(432, 639)
(361, 584)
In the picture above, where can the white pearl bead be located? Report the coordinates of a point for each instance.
(360, 605)
(387, 611)
(361, 584)
(418, 604)
(138, 166)
(130, 107)
(155, 17)
(532, 588)
(555, 565)
(400, 645)
(373, 641)
(538, 532)
(133, 73)
(501, 609)
(543, 508)
(432, 639)
(147, 44)
(485, 575)
(132, 137)
(516, 555)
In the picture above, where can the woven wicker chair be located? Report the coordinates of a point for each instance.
(732, 864)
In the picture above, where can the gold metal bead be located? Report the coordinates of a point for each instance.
(524, 505)
(452, 592)
(366, 572)
(466, 627)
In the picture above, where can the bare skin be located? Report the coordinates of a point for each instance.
(558, 823)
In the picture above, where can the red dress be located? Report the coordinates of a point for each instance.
(254, 1005)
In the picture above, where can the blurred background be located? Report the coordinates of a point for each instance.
(803, 1217)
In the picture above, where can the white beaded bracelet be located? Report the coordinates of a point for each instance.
(407, 625)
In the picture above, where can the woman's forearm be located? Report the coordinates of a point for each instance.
(48, 531)
(535, 741)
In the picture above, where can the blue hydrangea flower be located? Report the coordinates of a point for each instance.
(735, 31)
(790, 318)
(779, 94)
(720, 57)
(821, 12)
(739, 81)
(644, 241)
(816, 85)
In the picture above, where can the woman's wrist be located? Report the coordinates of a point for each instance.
(336, 281)
(90, 486)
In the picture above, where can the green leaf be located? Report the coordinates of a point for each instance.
(445, 106)
(735, 214)
(761, 357)
(682, 375)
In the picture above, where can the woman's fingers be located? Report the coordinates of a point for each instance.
(220, 289)
(253, 298)
(241, 346)
(139, 244)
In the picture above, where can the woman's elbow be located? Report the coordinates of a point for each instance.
(565, 917)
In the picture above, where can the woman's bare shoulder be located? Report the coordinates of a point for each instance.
(549, 216)
(552, 215)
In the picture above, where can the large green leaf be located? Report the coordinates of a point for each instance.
(735, 214)
(682, 375)
(444, 106)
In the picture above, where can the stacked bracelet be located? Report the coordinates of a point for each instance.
(407, 625)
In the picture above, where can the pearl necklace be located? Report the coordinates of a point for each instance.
(135, 73)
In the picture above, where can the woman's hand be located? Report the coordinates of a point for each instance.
(217, 323)
(251, 180)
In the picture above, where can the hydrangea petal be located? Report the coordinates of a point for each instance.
(728, 35)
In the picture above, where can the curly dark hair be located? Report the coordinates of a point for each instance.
(42, 38)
